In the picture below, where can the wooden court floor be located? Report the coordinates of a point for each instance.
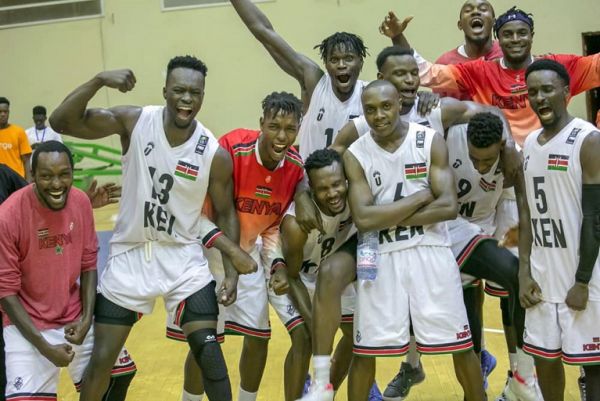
(160, 361)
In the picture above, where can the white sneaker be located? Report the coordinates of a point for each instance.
(518, 390)
(319, 392)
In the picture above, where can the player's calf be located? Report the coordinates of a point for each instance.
(208, 355)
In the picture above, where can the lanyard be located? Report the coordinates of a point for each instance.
(43, 135)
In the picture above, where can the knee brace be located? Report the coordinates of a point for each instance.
(209, 357)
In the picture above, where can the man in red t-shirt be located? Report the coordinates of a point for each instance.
(501, 82)
(476, 20)
(42, 257)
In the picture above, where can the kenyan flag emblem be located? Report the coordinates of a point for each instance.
(558, 162)
(186, 170)
(415, 171)
(263, 192)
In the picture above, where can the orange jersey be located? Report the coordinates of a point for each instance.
(488, 82)
(261, 196)
(13, 145)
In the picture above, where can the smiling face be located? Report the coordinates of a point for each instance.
(53, 178)
(343, 66)
(329, 188)
(476, 20)
(548, 97)
(515, 39)
(402, 72)
(381, 106)
(184, 93)
(278, 133)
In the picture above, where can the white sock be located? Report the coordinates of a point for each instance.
(185, 396)
(512, 360)
(246, 396)
(322, 366)
(525, 366)
(413, 357)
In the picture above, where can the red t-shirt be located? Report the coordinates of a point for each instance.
(455, 57)
(489, 83)
(261, 196)
(42, 254)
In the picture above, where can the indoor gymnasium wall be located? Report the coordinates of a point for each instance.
(41, 63)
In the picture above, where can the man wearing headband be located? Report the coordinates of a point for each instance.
(501, 83)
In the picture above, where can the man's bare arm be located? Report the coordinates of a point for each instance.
(304, 70)
(441, 178)
(293, 239)
(366, 215)
(220, 190)
(72, 117)
(347, 135)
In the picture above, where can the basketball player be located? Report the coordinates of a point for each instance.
(501, 82)
(304, 254)
(48, 315)
(331, 97)
(171, 162)
(267, 173)
(413, 250)
(559, 274)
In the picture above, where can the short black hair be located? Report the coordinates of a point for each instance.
(321, 158)
(48, 147)
(186, 61)
(39, 110)
(484, 129)
(348, 41)
(4, 100)
(392, 51)
(548, 64)
(513, 14)
(282, 101)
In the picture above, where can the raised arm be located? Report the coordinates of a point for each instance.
(293, 239)
(304, 70)
(220, 190)
(366, 215)
(577, 296)
(445, 203)
(72, 117)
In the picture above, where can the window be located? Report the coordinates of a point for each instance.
(15, 13)
(169, 5)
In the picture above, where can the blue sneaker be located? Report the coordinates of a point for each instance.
(306, 385)
(488, 364)
(375, 394)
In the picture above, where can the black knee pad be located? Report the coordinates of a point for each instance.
(201, 305)
(208, 354)
(117, 388)
(506, 312)
(108, 312)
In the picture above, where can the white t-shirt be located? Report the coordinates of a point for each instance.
(35, 135)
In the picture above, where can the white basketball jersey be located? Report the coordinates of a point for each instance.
(338, 229)
(392, 176)
(553, 180)
(478, 194)
(432, 120)
(326, 115)
(163, 187)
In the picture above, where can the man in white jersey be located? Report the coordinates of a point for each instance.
(40, 132)
(331, 97)
(559, 274)
(156, 247)
(408, 211)
(304, 253)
